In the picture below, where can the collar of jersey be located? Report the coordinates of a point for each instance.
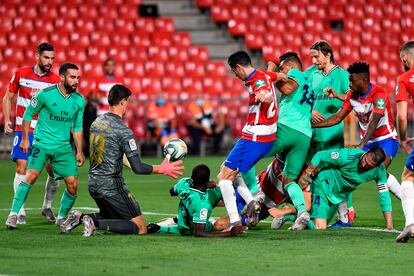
(197, 191)
(251, 74)
(40, 76)
(366, 94)
(333, 68)
(63, 95)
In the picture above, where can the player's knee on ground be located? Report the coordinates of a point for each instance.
(71, 184)
(321, 224)
(31, 176)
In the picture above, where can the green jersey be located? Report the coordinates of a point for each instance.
(194, 206)
(337, 79)
(308, 72)
(295, 109)
(58, 114)
(340, 172)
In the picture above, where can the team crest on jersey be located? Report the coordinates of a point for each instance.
(335, 155)
(260, 83)
(132, 144)
(34, 102)
(380, 103)
(203, 213)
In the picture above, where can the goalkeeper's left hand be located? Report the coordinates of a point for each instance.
(173, 169)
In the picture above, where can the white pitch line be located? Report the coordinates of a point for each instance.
(166, 214)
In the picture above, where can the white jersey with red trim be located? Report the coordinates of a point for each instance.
(374, 101)
(262, 117)
(26, 83)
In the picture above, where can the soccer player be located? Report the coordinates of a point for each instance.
(195, 207)
(335, 173)
(371, 105)
(60, 108)
(104, 84)
(110, 140)
(294, 130)
(258, 133)
(405, 90)
(25, 83)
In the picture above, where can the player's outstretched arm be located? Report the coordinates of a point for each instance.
(199, 231)
(333, 120)
(333, 95)
(376, 117)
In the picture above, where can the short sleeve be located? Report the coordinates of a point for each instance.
(129, 146)
(401, 93)
(380, 102)
(296, 75)
(182, 185)
(344, 83)
(77, 125)
(14, 83)
(202, 213)
(347, 103)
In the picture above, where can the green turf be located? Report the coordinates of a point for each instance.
(37, 248)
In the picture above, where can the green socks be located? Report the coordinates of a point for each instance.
(66, 203)
(290, 217)
(170, 229)
(20, 196)
(349, 203)
(250, 179)
(297, 197)
(311, 225)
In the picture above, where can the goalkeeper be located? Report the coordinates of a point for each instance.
(339, 172)
(110, 140)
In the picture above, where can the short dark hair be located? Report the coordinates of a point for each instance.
(108, 60)
(239, 58)
(44, 47)
(117, 93)
(66, 66)
(406, 46)
(290, 56)
(200, 174)
(324, 47)
(378, 155)
(359, 67)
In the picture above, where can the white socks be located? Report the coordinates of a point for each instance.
(51, 188)
(343, 211)
(243, 190)
(394, 186)
(407, 201)
(229, 198)
(18, 178)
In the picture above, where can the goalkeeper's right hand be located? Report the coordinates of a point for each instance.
(173, 169)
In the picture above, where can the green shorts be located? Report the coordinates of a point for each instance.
(317, 146)
(61, 159)
(322, 208)
(294, 147)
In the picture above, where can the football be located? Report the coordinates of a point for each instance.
(175, 149)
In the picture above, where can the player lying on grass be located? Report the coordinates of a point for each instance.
(110, 141)
(195, 207)
(333, 174)
(272, 197)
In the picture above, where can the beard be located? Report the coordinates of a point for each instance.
(44, 68)
(70, 88)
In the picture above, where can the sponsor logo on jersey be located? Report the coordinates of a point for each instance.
(260, 83)
(380, 103)
(335, 155)
(203, 213)
(132, 144)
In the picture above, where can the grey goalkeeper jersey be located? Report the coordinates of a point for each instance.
(109, 139)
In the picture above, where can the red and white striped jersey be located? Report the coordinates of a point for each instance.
(262, 118)
(405, 86)
(26, 83)
(102, 87)
(375, 101)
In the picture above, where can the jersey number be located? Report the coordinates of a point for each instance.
(96, 148)
(308, 96)
(271, 111)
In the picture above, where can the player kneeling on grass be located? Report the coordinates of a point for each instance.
(195, 207)
(334, 174)
(110, 140)
(271, 196)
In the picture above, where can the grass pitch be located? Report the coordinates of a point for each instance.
(38, 249)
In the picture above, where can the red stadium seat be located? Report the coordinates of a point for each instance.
(194, 69)
(154, 69)
(181, 39)
(151, 85)
(221, 13)
(238, 27)
(164, 25)
(161, 39)
(204, 4)
(175, 70)
(254, 40)
(177, 54)
(216, 69)
(198, 53)
(158, 53)
(192, 85)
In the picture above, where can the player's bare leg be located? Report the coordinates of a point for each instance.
(51, 188)
(20, 197)
(407, 201)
